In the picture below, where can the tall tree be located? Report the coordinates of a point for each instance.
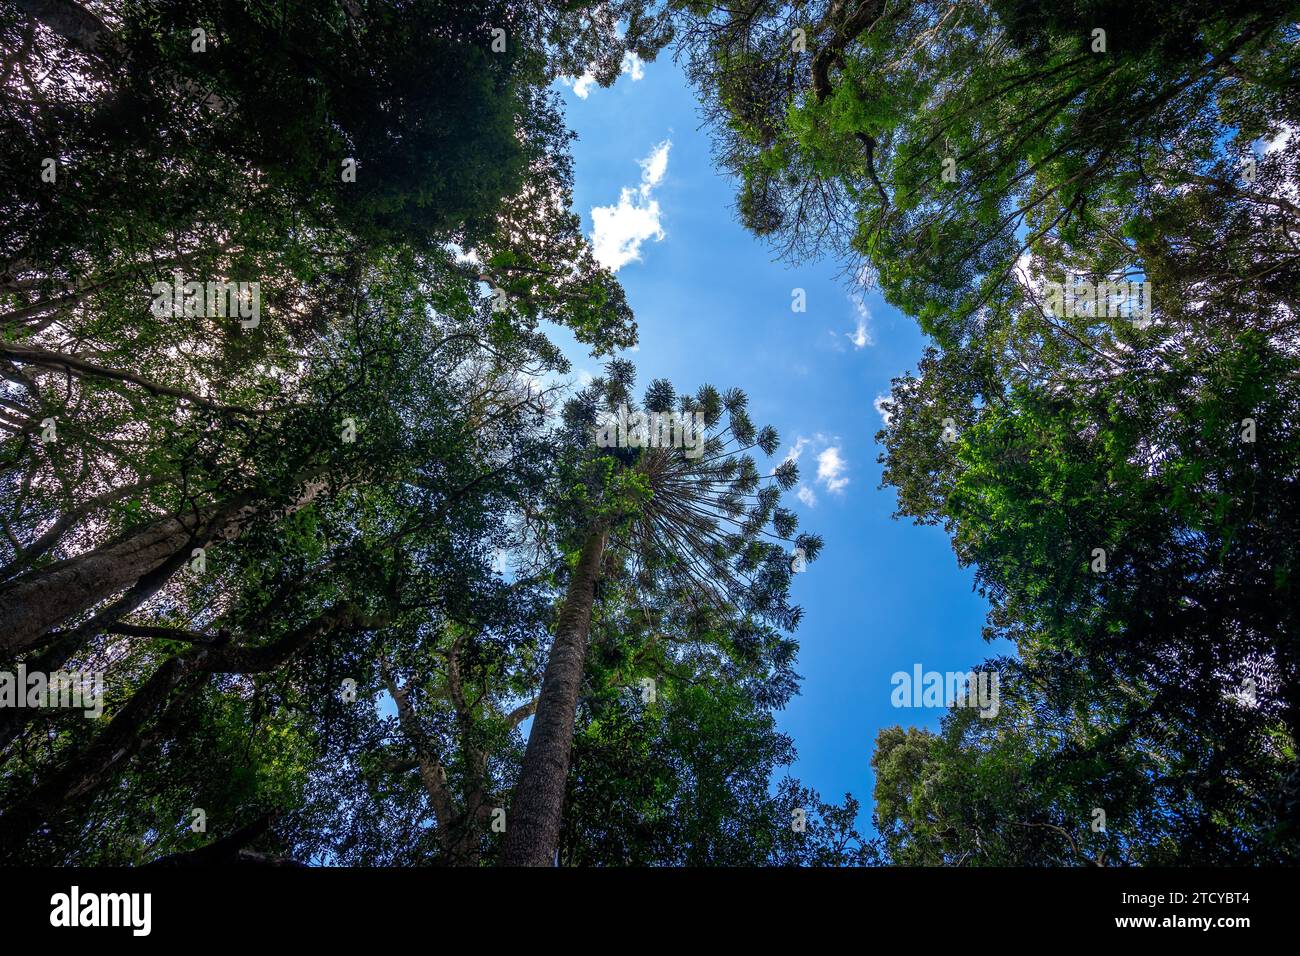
(682, 522)
(1100, 464)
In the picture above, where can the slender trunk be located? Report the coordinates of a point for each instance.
(231, 850)
(468, 841)
(432, 774)
(14, 719)
(91, 768)
(533, 827)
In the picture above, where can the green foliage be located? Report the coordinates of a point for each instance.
(1039, 440)
(345, 677)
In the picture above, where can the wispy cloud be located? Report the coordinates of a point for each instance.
(830, 469)
(632, 66)
(619, 230)
(796, 449)
(882, 405)
(831, 466)
(861, 335)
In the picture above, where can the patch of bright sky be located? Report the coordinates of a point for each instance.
(712, 306)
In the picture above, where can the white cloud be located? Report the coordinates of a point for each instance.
(1287, 189)
(830, 469)
(632, 66)
(1278, 142)
(861, 335)
(882, 405)
(831, 466)
(619, 230)
(463, 256)
(654, 166)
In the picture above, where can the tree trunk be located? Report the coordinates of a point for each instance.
(53, 657)
(432, 773)
(86, 31)
(69, 20)
(70, 519)
(33, 604)
(533, 827)
(92, 767)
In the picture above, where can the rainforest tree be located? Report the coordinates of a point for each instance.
(685, 522)
(1102, 469)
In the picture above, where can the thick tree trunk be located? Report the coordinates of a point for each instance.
(35, 603)
(70, 519)
(69, 20)
(53, 657)
(533, 824)
(86, 31)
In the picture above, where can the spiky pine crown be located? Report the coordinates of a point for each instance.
(711, 529)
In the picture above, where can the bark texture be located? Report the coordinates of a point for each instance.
(32, 605)
(533, 825)
(35, 603)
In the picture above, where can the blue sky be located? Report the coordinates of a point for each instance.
(713, 306)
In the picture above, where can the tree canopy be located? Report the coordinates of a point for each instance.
(1090, 209)
(276, 463)
(286, 456)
